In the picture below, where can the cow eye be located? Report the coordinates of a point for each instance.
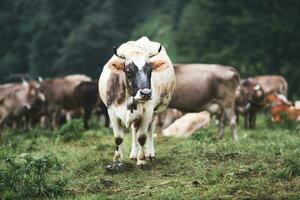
(128, 72)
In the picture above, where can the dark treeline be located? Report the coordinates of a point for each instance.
(54, 37)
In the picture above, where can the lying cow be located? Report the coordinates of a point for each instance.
(273, 84)
(186, 125)
(166, 118)
(281, 107)
(136, 84)
(59, 93)
(17, 100)
(87, 97)
(250, 99)
(207, 87)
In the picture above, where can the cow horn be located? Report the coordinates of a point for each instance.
(116, 53)
(257, 87)
(159, 49)
(24, 82)
(40, 79)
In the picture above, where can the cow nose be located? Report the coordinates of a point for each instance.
(146, 93)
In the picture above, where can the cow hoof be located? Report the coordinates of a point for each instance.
(149, 158)
(133, 158)
(114, 166)
(141, 163)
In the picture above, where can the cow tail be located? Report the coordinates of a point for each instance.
(235, 76)
(284, 88)
(236, 79)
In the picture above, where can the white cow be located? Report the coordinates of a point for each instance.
(136, 84)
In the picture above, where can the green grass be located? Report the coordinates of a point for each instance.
(264, 164)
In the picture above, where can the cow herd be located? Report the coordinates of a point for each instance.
(136, 87)
(49, 102)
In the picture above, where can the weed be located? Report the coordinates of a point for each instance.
(30, 177)
(72, 130)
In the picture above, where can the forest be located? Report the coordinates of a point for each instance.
(52, 37)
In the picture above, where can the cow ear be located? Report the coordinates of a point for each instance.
(116, 66)
(159, 65)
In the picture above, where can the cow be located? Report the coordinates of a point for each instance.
(166, 118)
(250, 99)
(282, 108)
(59, 93)
(273, 84)
(17, 100)
(87, 98)
(207, 87)
(136, 84)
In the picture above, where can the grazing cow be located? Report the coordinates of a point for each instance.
(250, 99)
(59, 93)
(281, 107)
(207, 87)
(87, 97)
(18, 99)
(273, 84)
(136, 84)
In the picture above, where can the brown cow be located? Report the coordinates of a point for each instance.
(59, 93)
(250, 99)
(273, 84)
(18, 99)
(281, 107)
(87, 97)
(207, 87)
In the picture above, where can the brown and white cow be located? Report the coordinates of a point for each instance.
(136, 84)
(17, 100)
(273, 84)
(250, 98)
(282, 109)
(207, 87)
(59, 93)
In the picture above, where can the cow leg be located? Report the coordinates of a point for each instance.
(230, 114)
(86, 117)
(119, 135)
(246, 120)
(55, 116)
(69, 116)
(250, 120)
(221, 125)
(150, 141)
(253, 120)
(142, 137)
(44, 122)
(134, 144)
(106, 118)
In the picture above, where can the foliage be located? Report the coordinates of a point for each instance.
(54, 37)
(72, 130)
(256, 36)
(28, 177)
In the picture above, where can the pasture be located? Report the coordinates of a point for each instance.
(70, 164)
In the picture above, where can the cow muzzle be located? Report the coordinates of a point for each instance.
(143, 95)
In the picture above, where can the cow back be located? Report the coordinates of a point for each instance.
(200, 85)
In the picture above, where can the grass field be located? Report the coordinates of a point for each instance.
(70, 164)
